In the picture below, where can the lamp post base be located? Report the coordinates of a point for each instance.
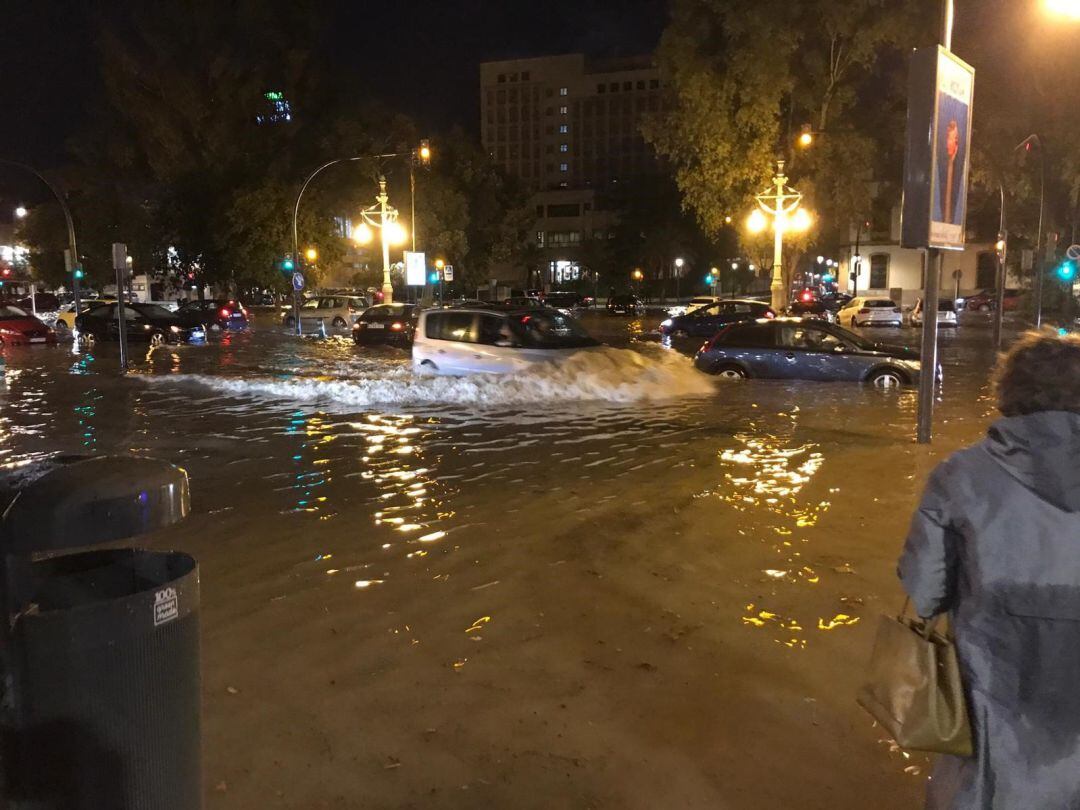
(387, 292)
(777, 290)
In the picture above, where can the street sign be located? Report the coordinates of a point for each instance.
(1073, 252)
(415, 269)
(119, 256)
(448, 272)
(298, 281)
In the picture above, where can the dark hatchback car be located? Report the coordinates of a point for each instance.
(219, 312)
(625, 305)
(392, 324)
(804, 349)
(706, 321)
(144, 323)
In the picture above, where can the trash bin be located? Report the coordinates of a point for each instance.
(103, 648)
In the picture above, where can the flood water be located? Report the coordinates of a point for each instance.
(616, 583)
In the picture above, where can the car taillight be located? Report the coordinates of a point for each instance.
(770, 314)
(225, 313)
(864, 311)
(397, 327)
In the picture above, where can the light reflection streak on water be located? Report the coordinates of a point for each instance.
(764, 475)
(311, 466)
(85, 415)
(407, 499)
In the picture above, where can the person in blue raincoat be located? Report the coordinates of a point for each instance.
(996, 544)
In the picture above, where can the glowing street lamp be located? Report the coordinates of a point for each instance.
(21, 212)
(637, 275)
(383, 216)
(781, 202)
(311, 254)
(1064, 8)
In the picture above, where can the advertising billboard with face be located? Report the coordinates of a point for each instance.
(937, 158)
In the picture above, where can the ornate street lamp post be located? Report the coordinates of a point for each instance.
(781, 202)
(383, 216)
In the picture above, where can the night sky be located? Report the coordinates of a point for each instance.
(429, 51)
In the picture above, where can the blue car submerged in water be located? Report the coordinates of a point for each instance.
(805, 349)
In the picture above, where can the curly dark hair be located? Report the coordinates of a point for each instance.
(1040, 372)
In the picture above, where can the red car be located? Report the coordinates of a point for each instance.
(985, 301)
(19, 328)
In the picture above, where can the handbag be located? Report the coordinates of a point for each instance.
(914, 689)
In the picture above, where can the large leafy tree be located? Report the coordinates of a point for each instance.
(745, 78)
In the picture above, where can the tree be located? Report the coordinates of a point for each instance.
(744, 78)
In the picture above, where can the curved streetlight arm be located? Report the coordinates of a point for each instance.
(67, 219)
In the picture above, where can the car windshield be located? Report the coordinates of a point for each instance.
(549, 330)
(9, 313)
(946, 306)
(879, 303)
(392, 312)
(623, 299)
(851, 337)
(561, 299)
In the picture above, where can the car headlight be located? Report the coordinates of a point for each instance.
(666, 322)
(175, 330)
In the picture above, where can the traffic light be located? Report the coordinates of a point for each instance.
(424, 152)
(827, 278)
(1066, 271)
(288, 265)
(78, 273)
(6, 272)
(434, 278)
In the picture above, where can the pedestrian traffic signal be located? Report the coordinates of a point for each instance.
(1067, 270)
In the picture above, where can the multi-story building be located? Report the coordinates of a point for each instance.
(569, 128)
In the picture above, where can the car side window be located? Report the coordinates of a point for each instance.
(495, 331)
(131, 314)
(312, 304)
(456, 326)
(758, 336)
(808, 337)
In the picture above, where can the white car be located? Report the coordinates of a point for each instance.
(946, 314)
(694, 303)
(482, 340)
(870, 312)
(331, 311)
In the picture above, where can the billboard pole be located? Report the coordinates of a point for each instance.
(933, 264)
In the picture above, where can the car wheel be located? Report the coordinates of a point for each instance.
(887, 379)
(339, 323)
(984, 307)
(730, 372)
(157, 339)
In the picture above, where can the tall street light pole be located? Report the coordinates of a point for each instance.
(76, 267)
(383, 216)
(782, 203)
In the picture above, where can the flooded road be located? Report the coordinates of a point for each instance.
(618, 583)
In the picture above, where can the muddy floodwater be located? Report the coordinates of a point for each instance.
(617, 583)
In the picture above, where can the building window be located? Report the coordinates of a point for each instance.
(641, 85)
(524, 75)
(513, 77)
(502, 78)
(986, 270)
(564, 210)
(540, 238)
(588, 206)
(564, 128)
(614, 87)
(627, 85)
(539, 210)
(563, 91)
(879, 271)
(601, 88)
(654, 84)
(564, 167)
(564, 110)
(564, 147)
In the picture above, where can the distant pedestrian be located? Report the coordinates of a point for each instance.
(996, 543)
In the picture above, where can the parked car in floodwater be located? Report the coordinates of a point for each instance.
(708, 320)
(805, 349)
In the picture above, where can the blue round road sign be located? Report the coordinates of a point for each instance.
(298, 280)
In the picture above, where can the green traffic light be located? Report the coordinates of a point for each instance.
(1067, 271)
(288, 264)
